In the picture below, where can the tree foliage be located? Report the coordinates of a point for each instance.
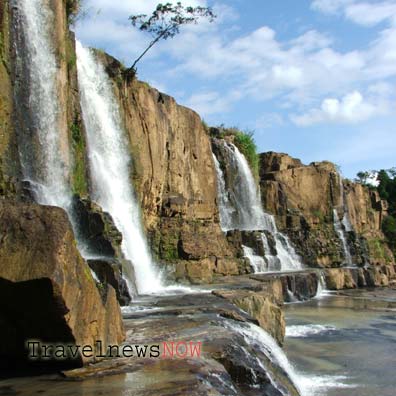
(386, 188)
(166, 20)
(244, 140)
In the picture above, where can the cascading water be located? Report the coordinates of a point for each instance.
(341, 234)
(109, 164)
(257, 262)
(322, 290)
(44, 152)
(240, 208)
(306, 384)
(226, 209)
(344, 225)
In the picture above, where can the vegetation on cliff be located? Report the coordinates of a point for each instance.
(165, 22)
(244, 140)
(387, 190)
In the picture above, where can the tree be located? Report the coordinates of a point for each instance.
(165, 22)
(362, 177)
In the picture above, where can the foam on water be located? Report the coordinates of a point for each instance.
(307, 385)
(297, 331)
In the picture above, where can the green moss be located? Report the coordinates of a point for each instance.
(168, 247)
(377, 249)
(87, 273)
(319, 214)
(79, 182)
(170, 253)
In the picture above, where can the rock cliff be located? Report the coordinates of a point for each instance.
(9, 160)
(47, 290)
(175, 179)
(303, 198)
(54, 296)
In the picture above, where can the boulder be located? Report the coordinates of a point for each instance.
(102, 239)
(54, 296)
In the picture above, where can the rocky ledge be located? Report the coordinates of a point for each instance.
(47, 291)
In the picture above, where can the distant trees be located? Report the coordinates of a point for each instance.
(386, 188)
(165, 23)
(362, 177)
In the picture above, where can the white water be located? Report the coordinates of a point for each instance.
(322, 288)
(301, 331)
(345, 219)
(241, 209)
(341, 234)
(48, 169)
(307, 385)
(257, 262)
(273, 262)
(109, 164)
(226, 209)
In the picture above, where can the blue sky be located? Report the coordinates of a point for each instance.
(313, 78)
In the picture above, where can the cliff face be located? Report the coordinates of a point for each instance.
(53, 294)
(366, 212)
(303, 199)
(24, 80)
(9, 161)
(175, 179)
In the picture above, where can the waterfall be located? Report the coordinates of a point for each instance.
(341, 234)
(226, 209)
(44, 152)
(345, 219)
(321, 291)
(273, 262)
(257, 262)
(109, 162)
(241, 209)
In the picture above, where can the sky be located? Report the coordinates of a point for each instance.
(312, 78)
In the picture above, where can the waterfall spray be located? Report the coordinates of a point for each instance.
(109, 162)
(240, 208)
(43, 140)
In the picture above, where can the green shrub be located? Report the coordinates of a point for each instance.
(79, 183)
(247, 146)
(244, 140)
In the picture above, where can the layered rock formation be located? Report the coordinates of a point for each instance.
(47, 291)
(174, 176)
(303, 199)
(9, 161)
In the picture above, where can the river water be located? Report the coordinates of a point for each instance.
(346, 339)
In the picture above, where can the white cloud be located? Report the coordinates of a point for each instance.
(369, 14)
(352, 108)
(207, 103)
(304, 73)
(363, 13)
(329, 6)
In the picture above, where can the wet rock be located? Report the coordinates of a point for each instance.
(98, 232)
(263, 303)
(230, 363)
(302, 197)
(303, 286)
(109, 272)
(97, 228)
